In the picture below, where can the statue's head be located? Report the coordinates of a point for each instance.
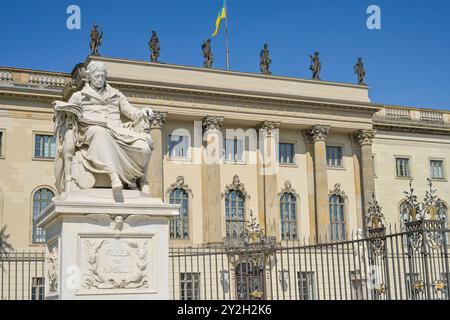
(266, 46)
(96, 72)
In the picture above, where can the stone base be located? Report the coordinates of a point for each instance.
(102, 245)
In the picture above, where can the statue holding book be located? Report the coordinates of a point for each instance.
(95, 147)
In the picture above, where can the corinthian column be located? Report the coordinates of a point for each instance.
(155, 171)
(317, 136)
(267, 166)
(213, 215)
(365, 139)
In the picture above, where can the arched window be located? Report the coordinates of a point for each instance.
(337, 218)
(288, 212)
(234, 214)
(179, 226)
(41, 200)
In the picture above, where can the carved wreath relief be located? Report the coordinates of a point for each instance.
(116, 263)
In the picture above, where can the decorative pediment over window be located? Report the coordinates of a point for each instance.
(337, 191)
(288, 189)
(179, 184)
(236, 186)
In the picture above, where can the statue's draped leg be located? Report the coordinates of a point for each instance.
(68, 152)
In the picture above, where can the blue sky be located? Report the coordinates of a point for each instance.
(407, 61)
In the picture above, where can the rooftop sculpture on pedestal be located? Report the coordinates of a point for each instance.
(96, 40)
(154, 47)
(95, 148)
(315, 66)
(207, 54)
(265, 60)
(360, 71)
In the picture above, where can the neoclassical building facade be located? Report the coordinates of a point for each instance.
(303, 156)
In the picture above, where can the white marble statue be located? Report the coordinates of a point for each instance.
(95, 147)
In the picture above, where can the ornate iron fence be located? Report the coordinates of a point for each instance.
(410, 265)
(385, 264)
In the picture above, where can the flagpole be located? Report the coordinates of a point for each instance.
(226, 35)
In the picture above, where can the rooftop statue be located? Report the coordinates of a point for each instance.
(94, 147)
(207, 54)
(154, 47)
(265, 60)
(316, 65)
(96, 40)
(360, 71)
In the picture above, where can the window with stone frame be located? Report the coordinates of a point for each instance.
(306, 285)
(179, 193)
(179, 225)
(402, 166)
(234, 150)
(235, 205)
(234, 215)
(190, 286)
(286, 153)
(334, 156)
(37, 288)
(337, 218)
(41, 200)
(178, 146)
(288, 216)
(44, 146)
(437, 169)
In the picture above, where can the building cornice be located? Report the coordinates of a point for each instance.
(326, 103)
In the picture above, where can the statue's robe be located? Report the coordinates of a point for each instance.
(107, 144)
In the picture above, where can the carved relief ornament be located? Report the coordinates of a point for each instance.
(316, 133)
(365, 137)
(236, 186)
(211, 123)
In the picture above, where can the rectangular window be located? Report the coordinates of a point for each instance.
(234, 150)
(178, 146)
(334, 156)
(411, 279)
(44, 146)
(437, 169)
(37, 289)
(359, 286)
(306, 285)
(286, 153)
(402, 166)
(190, 286)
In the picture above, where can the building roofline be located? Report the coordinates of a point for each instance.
(228, 72)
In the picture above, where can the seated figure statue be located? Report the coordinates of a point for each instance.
(95, 148)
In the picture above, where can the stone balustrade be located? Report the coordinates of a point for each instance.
(398, 113)
(432, 116)
(34, 78)
(47, 79)
(6, 75)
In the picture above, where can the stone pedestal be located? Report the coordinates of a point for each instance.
(102, 245)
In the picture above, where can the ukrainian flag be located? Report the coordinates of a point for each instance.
(222, 15)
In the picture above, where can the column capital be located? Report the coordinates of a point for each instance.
(316, 133)
(365, 137)
(269, 127)
(158, 120)
(211, 123)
